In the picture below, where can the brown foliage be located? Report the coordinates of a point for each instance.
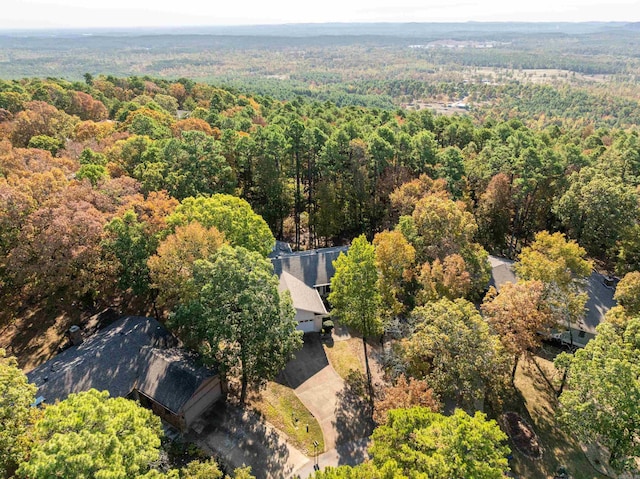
(519, 315)
(40, 118)
(494, 212)
(58, 250)
(405, 395)
(405, 198)
(190, 124)
(448, 279)
(87, 107)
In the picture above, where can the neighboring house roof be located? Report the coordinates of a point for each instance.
(599, 302)
(600, 296)
(313, 267)
(132, 353)
(304, 297)
(501, 272)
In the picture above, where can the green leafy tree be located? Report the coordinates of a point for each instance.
(628, 293)
(230, 215)
(367, 470)
(354, 295)
(427, 444)
(454, 351)
(195, 166)
(596, 209)
(94, 173)
(127, 240)
(602, 392)
(238, 320)
(45, 142)
(90, 434)
(16, 397)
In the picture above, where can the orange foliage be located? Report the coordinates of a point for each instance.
(405, 395)
(191, 124)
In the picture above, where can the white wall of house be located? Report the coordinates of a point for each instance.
(308, 321)
(208, 393)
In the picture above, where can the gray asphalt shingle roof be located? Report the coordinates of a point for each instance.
(303, 297)
(130, 353)
(600, 296)
(313, 267)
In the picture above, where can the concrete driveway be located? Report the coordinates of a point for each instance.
(317, 385)
(342, 415)
(240, 437)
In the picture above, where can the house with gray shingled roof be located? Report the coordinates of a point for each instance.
(307, 276)
(133, 357)
(599, 293)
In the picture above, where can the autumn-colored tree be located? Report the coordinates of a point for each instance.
(40, 118)
(494, 213)
(87, 107)
(628, 293)
(438, 227)
(178, 91)
(405, 198)
(91, 130)
(444, 279)
(394, 260)
(562, 267)
(191, 124)
(171, 268)
(405, 394)
(58, 250)
(520, 316)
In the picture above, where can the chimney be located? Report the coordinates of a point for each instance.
(75, 335)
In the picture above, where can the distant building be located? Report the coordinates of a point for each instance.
(134, 357)
(307, 276)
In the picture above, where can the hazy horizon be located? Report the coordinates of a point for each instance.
(124, 14)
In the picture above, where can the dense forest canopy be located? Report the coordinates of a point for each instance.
(159, 173)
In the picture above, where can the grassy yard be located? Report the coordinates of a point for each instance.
(536, 402)
(344, 356)
(281, 407)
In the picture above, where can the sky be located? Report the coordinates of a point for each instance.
(21, 14)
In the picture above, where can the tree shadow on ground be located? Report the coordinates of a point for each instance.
(308, 361)
(236, 437)
(353, 421)
(534, 398)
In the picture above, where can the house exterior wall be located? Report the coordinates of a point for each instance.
(208, 393)
(158, 409)
(308, 322)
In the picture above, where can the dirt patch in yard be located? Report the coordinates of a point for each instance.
(522, 435)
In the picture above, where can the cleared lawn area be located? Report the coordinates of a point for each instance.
(280, 406)
(537, 402)
(345, 356)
